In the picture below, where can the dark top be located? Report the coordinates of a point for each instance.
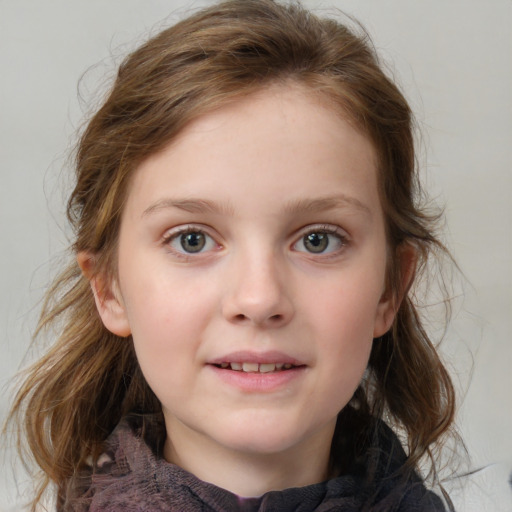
(132, 476)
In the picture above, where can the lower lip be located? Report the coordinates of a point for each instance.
(258, 382)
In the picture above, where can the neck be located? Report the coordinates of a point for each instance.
(251, 474)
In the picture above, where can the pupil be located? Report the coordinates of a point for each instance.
(316, 242)
(192, 242)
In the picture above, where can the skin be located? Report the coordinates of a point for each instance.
(254, 178)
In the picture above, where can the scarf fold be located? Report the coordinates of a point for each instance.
(132, 476)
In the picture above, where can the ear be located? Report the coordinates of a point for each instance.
(390, 301)
(106, 295)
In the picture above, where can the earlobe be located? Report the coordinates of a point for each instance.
(106, 295)
(408, 256)
(391, 300)
(385, 315)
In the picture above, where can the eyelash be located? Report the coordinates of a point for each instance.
(323, 229)
(328, 230)
(175, 235)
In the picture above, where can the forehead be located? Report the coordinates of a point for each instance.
(280, 143)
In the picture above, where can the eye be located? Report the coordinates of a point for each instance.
(320, 241)
(190, 241)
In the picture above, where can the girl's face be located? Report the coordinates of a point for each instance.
(252, 260)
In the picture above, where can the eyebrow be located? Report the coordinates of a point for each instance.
(190, 205)
(326, 203)
(196, 205)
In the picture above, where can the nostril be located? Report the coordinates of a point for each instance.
(273, 319)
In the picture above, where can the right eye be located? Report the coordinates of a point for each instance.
(321, 240)
(190, 241)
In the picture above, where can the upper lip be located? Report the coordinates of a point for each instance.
(247, 356)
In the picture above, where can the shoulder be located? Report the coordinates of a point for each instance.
(398, 482)
(384, 480)
(122, 476)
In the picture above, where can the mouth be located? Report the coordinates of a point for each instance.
(258, 372)
(249, 367)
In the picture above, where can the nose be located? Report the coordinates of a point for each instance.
(258, 293)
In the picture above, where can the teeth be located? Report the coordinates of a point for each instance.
(250, 367)
(257, 368)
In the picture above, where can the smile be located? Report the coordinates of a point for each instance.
(256, 367)
(250, 376)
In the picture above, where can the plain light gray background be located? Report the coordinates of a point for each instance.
(454, 61)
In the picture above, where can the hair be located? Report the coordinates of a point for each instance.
(72, 398)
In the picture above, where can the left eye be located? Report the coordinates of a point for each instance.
(191, 242)
(319, 242)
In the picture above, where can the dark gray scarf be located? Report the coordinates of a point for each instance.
(132, 476)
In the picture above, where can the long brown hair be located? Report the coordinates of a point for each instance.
(73, 397)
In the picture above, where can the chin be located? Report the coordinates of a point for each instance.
(263, 439)
(264, 446)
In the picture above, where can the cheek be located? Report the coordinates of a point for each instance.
(163, 301)
(166, 322)
(347, 305)
(343, 317)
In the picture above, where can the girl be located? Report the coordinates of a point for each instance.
(237, 323)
